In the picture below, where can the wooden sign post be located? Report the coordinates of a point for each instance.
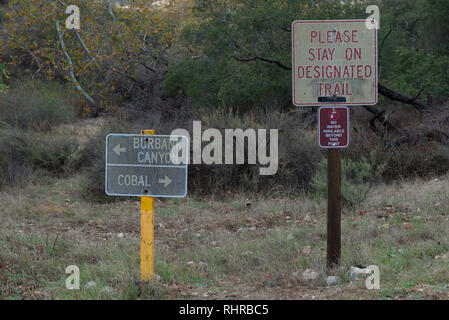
(333, 134)
(333, 207)
(334, 64)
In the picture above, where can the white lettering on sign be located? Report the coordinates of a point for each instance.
(334, 59)
(133, 180)
(333, 131)
(154, 157)
(153, 143)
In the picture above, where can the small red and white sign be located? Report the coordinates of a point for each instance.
(333, 127)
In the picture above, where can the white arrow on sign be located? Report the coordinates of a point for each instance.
(166, 181)
(119, 150)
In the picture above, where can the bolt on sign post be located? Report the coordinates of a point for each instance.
(334, 64)
(146, 166)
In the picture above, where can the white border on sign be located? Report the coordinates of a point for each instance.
(348, 129)
(312, 104)
(147, 166)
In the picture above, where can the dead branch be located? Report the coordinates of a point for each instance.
(402, 97)
(379, 115)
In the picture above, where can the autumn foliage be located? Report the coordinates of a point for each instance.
(115, 53)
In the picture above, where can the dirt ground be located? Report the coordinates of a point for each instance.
(223, 249)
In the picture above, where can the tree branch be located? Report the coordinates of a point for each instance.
(379, 115)
(402, 97)
(285, 29)
(385, 37)
(83, 45)
(262, 59)
(71, 71)
(37, 62)
(111, 12)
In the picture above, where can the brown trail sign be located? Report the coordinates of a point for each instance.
(333, 127)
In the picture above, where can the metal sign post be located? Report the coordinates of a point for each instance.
(147, 233)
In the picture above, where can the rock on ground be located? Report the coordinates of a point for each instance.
(358, 273)
(309, 274)
(333, 280)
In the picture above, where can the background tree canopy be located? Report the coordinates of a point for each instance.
(227, 63)
(237, 53)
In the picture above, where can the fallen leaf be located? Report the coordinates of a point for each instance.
(407, 225)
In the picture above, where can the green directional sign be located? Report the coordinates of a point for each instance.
(146, 165)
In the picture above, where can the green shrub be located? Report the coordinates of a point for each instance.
(92, 160)
(409, 161)
(23, 154)
(53, 153)
(92, 183)
(15, 166)
(297, 150)
(2, 13)
(357, 178)
(417, 69)
(439, 162)
(36, 106)
(3, 76)
(422, 158)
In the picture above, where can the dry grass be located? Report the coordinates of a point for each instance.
(82, 129)
(208, 249)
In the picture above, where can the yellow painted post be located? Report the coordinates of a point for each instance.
(147, 233)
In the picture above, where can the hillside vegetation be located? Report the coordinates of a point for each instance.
(238, 234)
